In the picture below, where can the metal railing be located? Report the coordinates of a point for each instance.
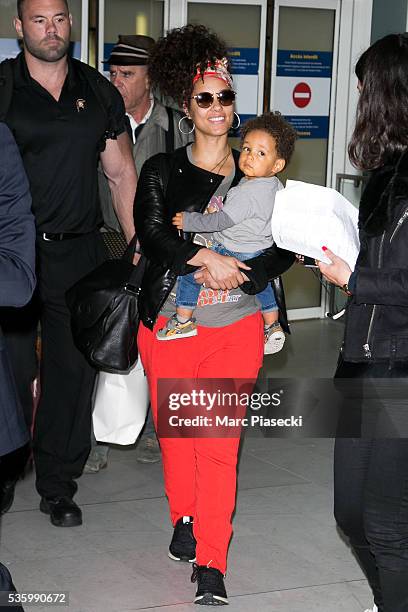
(356, 178)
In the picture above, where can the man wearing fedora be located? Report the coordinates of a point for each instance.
(153, 128)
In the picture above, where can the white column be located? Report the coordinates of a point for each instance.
(177, 13)
(101, 34)
(355, 35)
(84, 31)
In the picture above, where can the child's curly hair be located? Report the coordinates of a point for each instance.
(174, 58)
(274, 124)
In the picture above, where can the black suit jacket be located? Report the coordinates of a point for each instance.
(17, 276)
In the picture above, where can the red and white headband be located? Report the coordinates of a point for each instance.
(218, 70)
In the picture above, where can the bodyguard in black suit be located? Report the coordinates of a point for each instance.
(17, 281)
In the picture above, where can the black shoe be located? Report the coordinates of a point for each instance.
(210, 586)
(183, 543)
(7, 489)
(63, 511)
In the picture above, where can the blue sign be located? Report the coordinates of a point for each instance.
(244, 60)
(107, 48)
(304, 63)
(310, 127)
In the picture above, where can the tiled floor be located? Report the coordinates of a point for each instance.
(286, 554)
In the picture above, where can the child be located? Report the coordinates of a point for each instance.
(242, 228)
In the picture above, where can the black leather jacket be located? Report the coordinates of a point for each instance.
(169, 183)
(377, 313)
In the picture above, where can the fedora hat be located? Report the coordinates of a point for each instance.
(130, 50)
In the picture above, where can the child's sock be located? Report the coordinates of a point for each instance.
(274, 324)
(182, 319)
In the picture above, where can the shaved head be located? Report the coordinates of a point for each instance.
(21, 3)
(45, 27)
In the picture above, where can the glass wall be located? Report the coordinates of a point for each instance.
(301, 89)
(9, 46)
(388, 18)
(242, 34)
(144, 17)
(309, 31)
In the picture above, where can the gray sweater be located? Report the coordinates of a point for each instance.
(244, 223)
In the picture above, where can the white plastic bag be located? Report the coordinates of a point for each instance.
(121, 402)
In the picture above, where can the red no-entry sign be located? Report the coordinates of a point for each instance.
(302, 94)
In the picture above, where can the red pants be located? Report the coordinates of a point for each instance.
(200, 473)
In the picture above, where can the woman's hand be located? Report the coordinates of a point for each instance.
(203, 277)
(177, 220)
(224, 271)
(338, 272)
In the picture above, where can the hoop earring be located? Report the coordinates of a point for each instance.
(235, 127)
(181, 121)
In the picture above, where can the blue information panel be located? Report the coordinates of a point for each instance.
(304, 63)
(244, 60)
(310, 127)
(107, 48)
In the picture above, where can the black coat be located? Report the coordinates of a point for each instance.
(17, 278)
(377, 313)
(169, 183)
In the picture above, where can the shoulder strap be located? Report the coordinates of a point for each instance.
(6, 87)
(170, 132)
(101, 88)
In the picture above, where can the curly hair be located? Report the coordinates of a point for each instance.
(274, 124)
(381, 129)
(174, 58)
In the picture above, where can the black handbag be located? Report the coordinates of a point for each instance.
(104, 312)
(115, 243)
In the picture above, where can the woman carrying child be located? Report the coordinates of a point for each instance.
(241, 225)
(199, 473)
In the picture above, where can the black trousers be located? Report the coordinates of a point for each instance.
(20, 333)
(371, 499)
(62, 429)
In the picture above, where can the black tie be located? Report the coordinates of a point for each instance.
(138, 130)
(129, 128)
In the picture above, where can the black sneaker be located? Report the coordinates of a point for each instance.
(183, 543)
(210, 586)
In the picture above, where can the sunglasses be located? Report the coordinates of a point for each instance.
(205, 99)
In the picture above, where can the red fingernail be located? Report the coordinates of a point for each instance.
(324, 248)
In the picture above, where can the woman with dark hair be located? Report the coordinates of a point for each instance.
(190, 66)
(371, 474)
